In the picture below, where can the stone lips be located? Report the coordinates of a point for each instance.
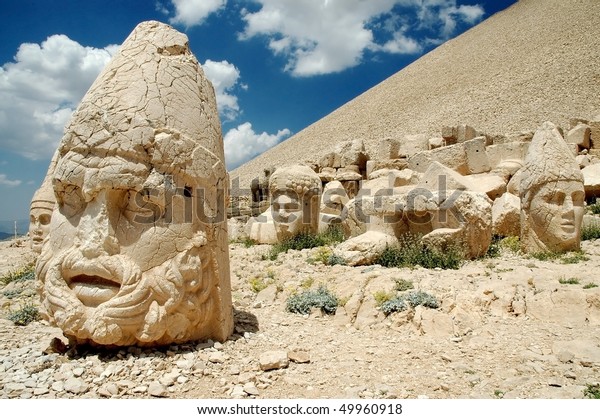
(533, 62)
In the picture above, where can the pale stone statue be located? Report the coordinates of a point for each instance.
(295, 200)
(552, 195)
(137, 251)
(40, 211)
(333, 201)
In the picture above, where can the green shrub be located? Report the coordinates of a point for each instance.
(335, 260)
(394, 305)
(25, 273)
(569, 281)
(321, 298)
(592, 391)
(248, 242)
(332, 235)
(382, 296)
(511, 243)
(411, 252)
(413, 298)
(589, 285)
(544, 256)
(25, 315)
(574, 257)
(590, 232)
(494, 248)
(594, 208)
(257, 284)
(403, 285)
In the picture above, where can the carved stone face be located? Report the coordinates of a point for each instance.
(127, 266)
(137, 251)
(287, 214)
(39, 226)
(556, 214)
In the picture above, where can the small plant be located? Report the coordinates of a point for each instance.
(403, 285)
(592, 391)
(248, 242)
(494, 247)
(544, 256)
(420, 298)
(594, 207)
(302, 241)
(394, 305)
(498, 394)
(25, 315)
(590, 232)
(574, 257)
(322, 255)
(412, 252)
(569, 281)
(413, 299)
(25, 273)
(321, 298)
(382, 297)
(307, 283)
(511, 243)
(589, 285)
(257, 284)
(336, 260)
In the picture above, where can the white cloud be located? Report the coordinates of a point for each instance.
(328, 36)
(224, 77)
(40, 90)
(243, 144)
(4, 181)
(193, 12)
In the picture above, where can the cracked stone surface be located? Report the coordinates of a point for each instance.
(137, 249)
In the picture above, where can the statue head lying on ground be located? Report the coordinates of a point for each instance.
(295, 200)
(138, 252)
(552, 195)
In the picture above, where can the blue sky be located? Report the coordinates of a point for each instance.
(277, 65)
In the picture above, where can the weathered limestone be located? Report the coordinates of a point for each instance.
(333, 201)
(591, 180)
(552, 195)
(41, 208)
(580, 135)
(295, 200)
(454, 157)
(506, 215)
(137, 251)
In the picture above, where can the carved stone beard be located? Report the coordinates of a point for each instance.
(169, 303)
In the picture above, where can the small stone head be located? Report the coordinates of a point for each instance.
(295, 200)
(40, 214)
(552, 195)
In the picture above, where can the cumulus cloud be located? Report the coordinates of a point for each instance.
(40, 90)
(224, 77)
(328, 36)
(5, 181)
(193, 12)
(243, 144)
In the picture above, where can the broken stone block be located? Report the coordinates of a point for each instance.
(580, 135)
(477, 159)
(506, 215)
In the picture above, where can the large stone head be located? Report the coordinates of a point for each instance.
(137, 252)
(295, 199)
(552, 195)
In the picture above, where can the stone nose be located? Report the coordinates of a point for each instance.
(96, 233)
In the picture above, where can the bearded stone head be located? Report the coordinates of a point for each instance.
(137, 251)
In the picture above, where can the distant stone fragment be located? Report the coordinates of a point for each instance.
(272, 360)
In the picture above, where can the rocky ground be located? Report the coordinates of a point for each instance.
(506, 327)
